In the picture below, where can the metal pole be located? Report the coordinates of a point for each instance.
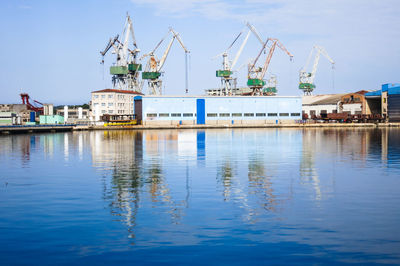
(186, 73)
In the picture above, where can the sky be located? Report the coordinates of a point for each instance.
(50, 49)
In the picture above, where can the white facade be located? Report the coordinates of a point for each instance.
(113, 102)
(160, 110)
(352, 108)
(316, 109)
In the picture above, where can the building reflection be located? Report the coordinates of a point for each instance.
(135, 160)
(359, 146)
(153, 168)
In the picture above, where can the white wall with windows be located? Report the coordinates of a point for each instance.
(113, 102)
(234, 109)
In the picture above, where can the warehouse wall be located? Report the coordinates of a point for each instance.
(166, 110)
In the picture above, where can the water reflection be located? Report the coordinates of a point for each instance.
(257, 171)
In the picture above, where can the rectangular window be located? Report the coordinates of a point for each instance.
(95, 104)
(96, 96)
(176, 115)
(283, 114)
(103, 104)
(110, 111)
(110, 104)
(110, 96)
(236, 114)
(211, 115)
(163, 115)
(248, 114)
(272, 114)
(151, 115)
(260, 114)
(224, 115)
(103, 111)
(103, 96)
(294, 114)
(187, 115)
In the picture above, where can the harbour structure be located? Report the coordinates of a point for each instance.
(51, 119)
(20, 110)
(112, 102)
(256, 74)
(125, 71)
(153, 70)
(362, 106)
(217, 110)
(228, 83)
(354, 103)
(315, 105)
(387, 100)
(306, 79)
(74, 115)
(9, 118)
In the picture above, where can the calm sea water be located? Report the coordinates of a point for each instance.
(226, 196)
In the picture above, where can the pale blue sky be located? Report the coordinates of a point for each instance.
(50, 49)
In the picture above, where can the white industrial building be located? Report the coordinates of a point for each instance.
(316, 104)
(112, 102)
(192, 110)
(351, 103)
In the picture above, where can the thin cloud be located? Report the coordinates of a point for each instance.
(24, 7)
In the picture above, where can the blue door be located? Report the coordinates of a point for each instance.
(201, 111)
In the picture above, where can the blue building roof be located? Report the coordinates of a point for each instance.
(374, 93)
(391, 88)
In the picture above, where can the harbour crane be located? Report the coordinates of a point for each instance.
(255, 77)
(306, 83)
(125, 71)
(228, 83)
(31, 106)
(154, 66)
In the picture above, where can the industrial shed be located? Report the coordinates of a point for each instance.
(217, 110)
(388, 100)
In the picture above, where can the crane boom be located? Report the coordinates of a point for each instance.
(176, 35)
(320, 50)
(275, 43)
(256, 75)
(153, 69)
(307, 79)
(240, 50)
(109, 45)
(164, 57)
(251, 27)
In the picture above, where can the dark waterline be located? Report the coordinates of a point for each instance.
(223, 196)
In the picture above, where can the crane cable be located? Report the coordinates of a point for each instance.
(333, 77)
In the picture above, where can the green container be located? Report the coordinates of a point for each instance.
(118, 70)
(306, 86)
(151, 75)
(270, 90)
(224, 73)
(135, 67)
(51, 119)
(255, 82)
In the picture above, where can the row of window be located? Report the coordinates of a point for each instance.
(172, 115)
(110, 96)
(251, 114)
(112, 111)
(224, 114)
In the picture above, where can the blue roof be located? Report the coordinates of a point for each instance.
(391, 88)
(388, 86)
(374, 93)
